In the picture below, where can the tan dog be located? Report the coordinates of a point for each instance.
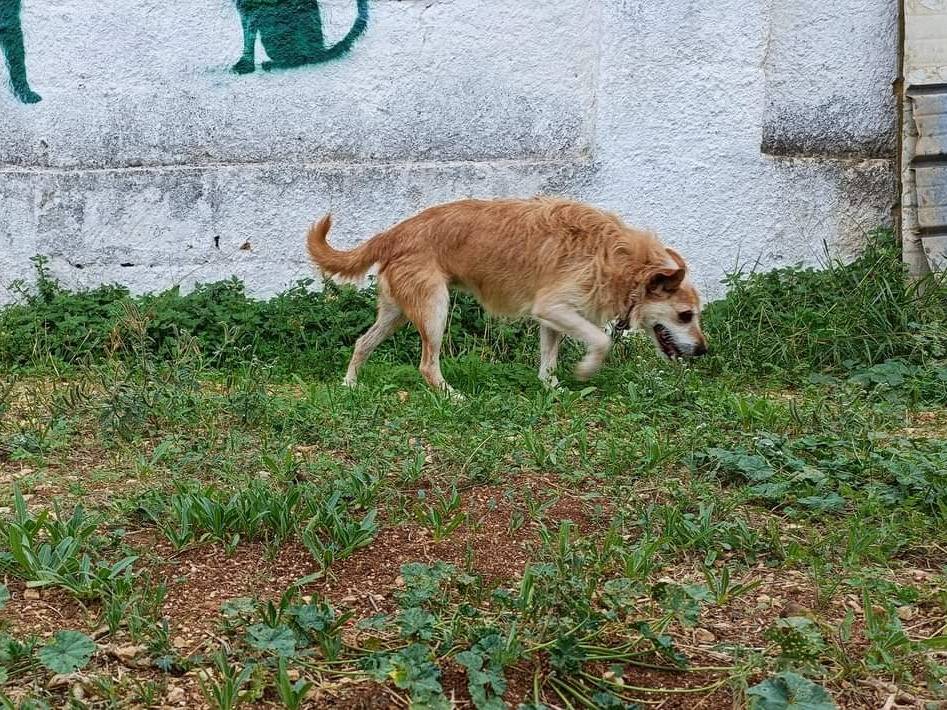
(570, 266)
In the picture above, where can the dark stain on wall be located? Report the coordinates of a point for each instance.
(827, 131)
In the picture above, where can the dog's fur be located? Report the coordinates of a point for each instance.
(568, 265)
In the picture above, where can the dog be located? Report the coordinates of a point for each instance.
(568, 265)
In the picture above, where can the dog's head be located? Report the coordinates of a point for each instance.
(669, 310)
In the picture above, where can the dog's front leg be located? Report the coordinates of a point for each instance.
(549, 341)
(247, 63)
(566, 319)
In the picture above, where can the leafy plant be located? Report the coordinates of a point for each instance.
(722, 589)
(226, 692)
(443, 517)
(484, 664)
(798, 638)
(69, 651)
(412, 669)
(273, 639)
(291, 693)
(789, 691)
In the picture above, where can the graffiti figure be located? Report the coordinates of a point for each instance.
(11, 39)
(291, 33)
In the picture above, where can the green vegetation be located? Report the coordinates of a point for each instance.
(197, 513)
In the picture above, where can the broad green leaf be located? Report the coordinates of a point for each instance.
(239, 606)
(830, 501)
(4, 595)
(68, 652)
(789, 691)
(278, 640)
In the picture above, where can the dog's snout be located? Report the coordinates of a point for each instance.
(700, 350)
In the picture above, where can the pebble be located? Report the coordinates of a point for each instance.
(177, 696)
(128, 652)
(794, 609)
(704, 636)
(31, 594)
(906, 613)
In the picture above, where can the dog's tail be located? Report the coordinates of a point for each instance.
(352, 264)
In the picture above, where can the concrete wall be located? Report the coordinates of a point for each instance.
(742, 130)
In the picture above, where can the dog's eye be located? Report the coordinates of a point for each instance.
(686, 316)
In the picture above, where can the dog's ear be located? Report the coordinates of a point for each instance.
(667, 277)
(678, 259)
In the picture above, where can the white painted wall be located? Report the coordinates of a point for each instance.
(740, 130)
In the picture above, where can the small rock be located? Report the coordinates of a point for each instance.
(128, 652)
(794, 609)
(704, 636)
(31, 594)
(61, 680)
(764, 600)
(177, 696)
(292, 674)
(100, 632)
(179, 642)
(906, 613)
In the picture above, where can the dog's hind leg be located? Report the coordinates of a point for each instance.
(566, 319)
(430, 303)
(549, 341)
(389, 319)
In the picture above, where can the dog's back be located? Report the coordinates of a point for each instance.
(507, 251)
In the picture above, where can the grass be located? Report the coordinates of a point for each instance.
(198, 515)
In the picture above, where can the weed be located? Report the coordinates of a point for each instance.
(226, 692)
(442, 517)
(807, 454)
(291, 694)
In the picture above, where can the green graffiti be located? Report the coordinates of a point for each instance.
(291, 33)
(11, 39)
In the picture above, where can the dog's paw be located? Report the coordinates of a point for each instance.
(551, 383)
(452, 394)
(244, 66)
(349, 382)
(587, 367)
